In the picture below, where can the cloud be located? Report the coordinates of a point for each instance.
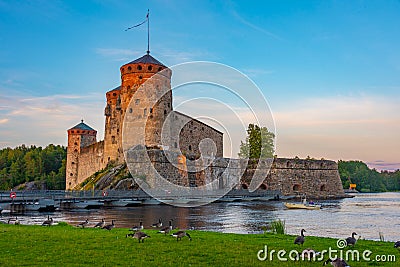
(253, 26)
(384, 166)
(42, 120)
(2, 121)
(342, 127)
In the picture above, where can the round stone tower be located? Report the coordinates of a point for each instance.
(133, 75)
(79, 136)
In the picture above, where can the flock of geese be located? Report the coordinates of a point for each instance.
(141, 236)
(137, 229)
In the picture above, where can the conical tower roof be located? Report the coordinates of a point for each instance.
(82, 126)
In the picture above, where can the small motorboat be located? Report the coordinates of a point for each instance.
(303, 205)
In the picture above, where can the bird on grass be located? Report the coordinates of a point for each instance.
(109, 226)
(13, 221)
(139, 236)
(300, 239)
(48, 222)
(166, 229)
(83, 224)
(158, 224)
(351, 241)
(337, 262)
(397, 245)
(181, 234)
(100, 224)
(137, 227)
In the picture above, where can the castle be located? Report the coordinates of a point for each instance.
(145, 97)
(85, 155)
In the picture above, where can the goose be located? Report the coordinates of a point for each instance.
(15, 221)
(109, 226)
(100, 224)
(137, 228)
(139, 235)
(159, 224)
(166, 229)
(337, 262)
(83, 224)
(351, 241)
(48, 222)
(300, 239)
(181, 234)
(397, 244)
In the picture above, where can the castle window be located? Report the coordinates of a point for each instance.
(175, 145)
(169, 105)
(137, 101)
(150, 67)
(165, 112)
(159, 68)
(71, 174)
(72, 131)
(77, 132)
(191, 131)
(139, 67)
(76, 143)
(202, 128)
(117, 131)
(296, 187)
(190, 148)
(129, 68)
(130, 110)
(151, 110)
(145, 112)
(72, 163)
(114, 94)
(140, 77)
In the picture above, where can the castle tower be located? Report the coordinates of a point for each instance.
(133, 75)
(79, 136)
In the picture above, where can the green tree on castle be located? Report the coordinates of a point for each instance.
(259, 143)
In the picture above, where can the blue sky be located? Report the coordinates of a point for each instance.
(330, 70)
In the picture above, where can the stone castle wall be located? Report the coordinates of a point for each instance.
(315, 178)
(89, 161)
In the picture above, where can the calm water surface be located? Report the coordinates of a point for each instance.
(366, 214)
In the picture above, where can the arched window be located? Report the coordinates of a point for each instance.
(139, 67)
(296, 187)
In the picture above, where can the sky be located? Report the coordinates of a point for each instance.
(329, 70)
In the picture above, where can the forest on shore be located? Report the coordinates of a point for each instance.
(46, 167)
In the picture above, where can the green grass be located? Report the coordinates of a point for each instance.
(64, 245)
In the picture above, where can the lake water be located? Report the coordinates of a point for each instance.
(366, 214)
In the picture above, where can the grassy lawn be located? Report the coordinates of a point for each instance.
(64, 245)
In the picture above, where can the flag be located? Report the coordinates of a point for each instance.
(137, 25)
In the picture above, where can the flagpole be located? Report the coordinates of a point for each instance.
(148, 31)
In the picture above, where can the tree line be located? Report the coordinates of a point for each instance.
(366, 179)
(25, 164)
